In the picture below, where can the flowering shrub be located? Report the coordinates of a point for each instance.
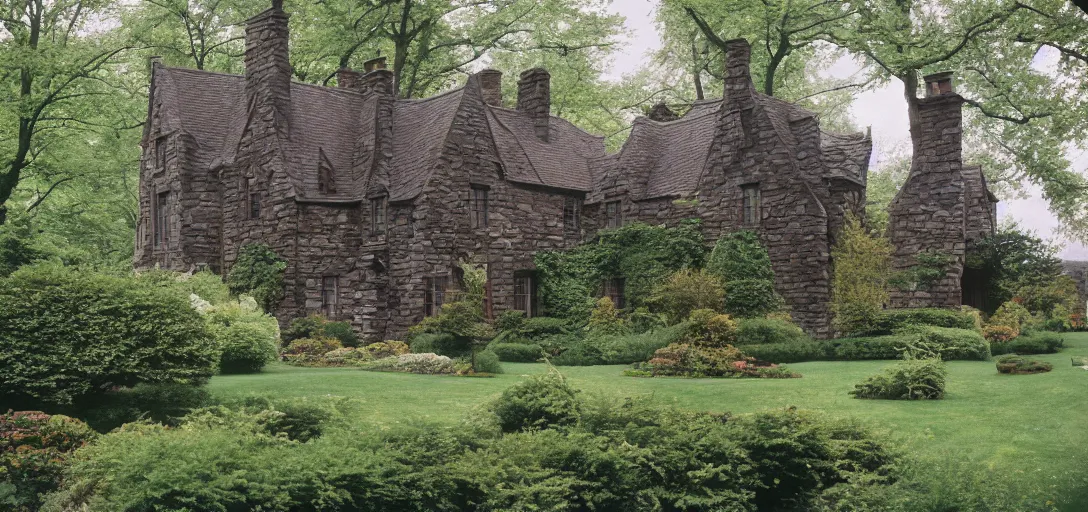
(999, 333)
(310, 351)
(688, 360)
(1013, 364)
(346, 356)
(34, 451)
(426, 364)
(711, 329)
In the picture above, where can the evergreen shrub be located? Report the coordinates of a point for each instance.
(538, 402)
(915, 379)
(625, 349)
(859, 283)
(1014, 364)
(760, 331)
(1033, 343)
(517, 352)
(893, 320)
(35, 449)
(686, 291)
(258, 271)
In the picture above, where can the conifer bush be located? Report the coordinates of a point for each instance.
(860, 278)
(258, 272)
(915, 379)
(685, 291)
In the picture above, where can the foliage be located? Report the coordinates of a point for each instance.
(311, 326)
(688, 360)
(893, 320)
(945, 343)
(642, 255)
(623, 349)
(751, 298)
(1035, 343)
(605, 319)
(486, 362)
(159, 403)
(307, 351)
(794, 352)
(511, 320)
(759, 331)
(1015, 364)
(915, 379)
(1011, 314)
(34, 451)
(859, 287)
(1054, 298)
(1011, 259)
(204, 284)
(999, 334)
(67, 335)
(938, 342)
(385, 348)
(341, 331)
(442, 344)
(539, 402)
(685, 291)
(247, 338)
(258, 271)
(462, 320)
(517, 352)
(426, 364)
(739, 255)
(929, 268)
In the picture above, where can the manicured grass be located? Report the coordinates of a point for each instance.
(1026, 427)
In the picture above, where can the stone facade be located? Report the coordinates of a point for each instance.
(374, 200)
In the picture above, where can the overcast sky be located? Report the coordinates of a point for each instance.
(883, 109)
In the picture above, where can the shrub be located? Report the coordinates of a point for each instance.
(605, 319)
(538, 402)
(306, 327)
(707, 327)
(436, 343)
(160, 403)
(341, 331)
(510, 320)
(245, 347)
(916, 379)
(258, 271)
(34, 452)
(894, 320)
(1014, 364)
(346, 356)
(750, 298)
(486, 361)
(67, 335)
(311, 347)
(686, 360)
(386, 348)
(517, 352)
(740, 255)
(760, 331)
(796, 352)
(999, 334)
(685, 291)
(946, 343)
(626, 349)
(859, 284)
(426, 364)
(1036, 343)
(1011, 314)
(541, 326)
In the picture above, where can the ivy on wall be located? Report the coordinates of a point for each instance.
(641, 254)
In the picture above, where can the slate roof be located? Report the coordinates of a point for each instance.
(847, 155)
(419, 134)
(563, 162)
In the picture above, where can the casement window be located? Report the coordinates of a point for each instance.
(523, 294)
(162, 226)
(572, 215)
(254, 205)
(160, 154)
(434, 294)
(613, 289)
(613, 214)
(750, 212)
(330, 295)
(378, 207)
(478, 206)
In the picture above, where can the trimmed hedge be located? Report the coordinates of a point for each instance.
(893, 320)
(1035, 343)
(626, 349)
(762, 331)
(517, 352)
(948, 344)
(1013, 364)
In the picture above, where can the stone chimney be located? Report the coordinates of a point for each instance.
(662, 113)
(928, 214)
(268, 68)
(535, 97)
(375, 77)
(738, 77)
(347, 79)
(491, 86)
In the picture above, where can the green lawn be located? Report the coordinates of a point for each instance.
(1029, 427)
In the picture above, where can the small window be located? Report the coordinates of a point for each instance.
(330, 295)
(254, 205)
(613, 289)
(614, 215)
(378, 214)
(160, 153)
(434, 294)
(162, 227)
(572, 215)
(478, 206)
(523, 294)
(750, 212)
(326, 177)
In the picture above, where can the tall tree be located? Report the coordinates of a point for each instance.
(202, 34)
(49, 59)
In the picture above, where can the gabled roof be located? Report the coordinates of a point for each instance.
(563, 162)
(420, 128)
(846, 155)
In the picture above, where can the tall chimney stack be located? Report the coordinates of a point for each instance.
(491, 86)
(375, 77)
(268, 68)
(738, 77)
(535, 97)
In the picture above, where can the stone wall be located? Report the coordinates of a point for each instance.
(927, 215)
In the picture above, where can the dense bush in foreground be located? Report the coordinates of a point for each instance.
(67, 335)
(34, 450)
(540, 446)
(916, 379)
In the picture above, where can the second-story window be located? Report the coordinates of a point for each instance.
(478, 206)
(613, 214)
(162, 226)
(378, 207)
(572, 215)
(750, 212)
(160, 153)
(254, 205)
(330, 295)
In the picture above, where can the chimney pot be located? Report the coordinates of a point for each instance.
(535, 97)
(346, 78)
(939, 84)
(491, 86)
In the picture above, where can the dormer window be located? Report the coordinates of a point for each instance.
(478, 206)
(750, 208)
(378, 207)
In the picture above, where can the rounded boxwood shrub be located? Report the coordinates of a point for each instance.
(246, 347)
(486, 361)
(66, 335)
(916, 379)
(539, 402)
(748, 298)
(517, 352)
(759, 331)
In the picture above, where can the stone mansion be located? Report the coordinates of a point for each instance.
(373, 200)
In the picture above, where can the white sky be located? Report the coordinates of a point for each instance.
(883, 109)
